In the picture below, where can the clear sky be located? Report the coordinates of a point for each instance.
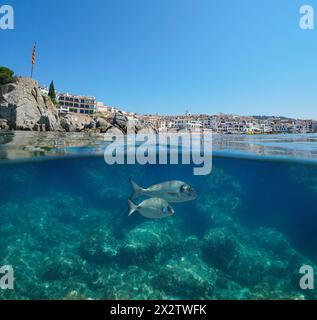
(167, 56)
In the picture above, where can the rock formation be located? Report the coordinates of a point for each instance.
(76, 122)
(120, 121)
(24, 107)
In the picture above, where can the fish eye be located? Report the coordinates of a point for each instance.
(184, 188)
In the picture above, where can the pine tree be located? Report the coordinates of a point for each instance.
(52, 93)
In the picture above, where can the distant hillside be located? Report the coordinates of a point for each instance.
(271, 117)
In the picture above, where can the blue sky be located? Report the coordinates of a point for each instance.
(168, 56)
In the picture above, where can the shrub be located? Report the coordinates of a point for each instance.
(6, 75)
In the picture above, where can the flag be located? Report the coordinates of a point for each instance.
(34, 54)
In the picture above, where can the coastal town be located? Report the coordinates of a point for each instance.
(220, 123)
(27, 105)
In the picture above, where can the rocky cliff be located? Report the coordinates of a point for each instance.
(24, 107)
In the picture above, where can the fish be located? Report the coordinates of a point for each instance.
(153, 208)
(171, 191)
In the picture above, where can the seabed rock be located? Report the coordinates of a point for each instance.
(274, 241)
(186, 278)
(60, 265)
(99, 246)
(220, 246)
(145, 241)
(243, 260)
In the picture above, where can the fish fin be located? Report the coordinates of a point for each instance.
(137, 190)
(132, 207)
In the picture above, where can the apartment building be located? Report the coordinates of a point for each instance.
(76, 103)
(280, 127)
(186, 123)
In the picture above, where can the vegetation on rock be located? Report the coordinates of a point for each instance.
(6, 75)
(52, 93)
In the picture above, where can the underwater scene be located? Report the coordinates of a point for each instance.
(65, 229)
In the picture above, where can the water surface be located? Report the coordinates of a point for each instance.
(64, 226)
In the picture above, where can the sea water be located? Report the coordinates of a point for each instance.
(65, 230)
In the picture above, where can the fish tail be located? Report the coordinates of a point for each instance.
(136, 190)
(132, 207)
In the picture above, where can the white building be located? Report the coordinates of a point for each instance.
(265, 127)
(187, 124)
(44, 90)
(303, 126)
(101, 107)
(76, 103)
(210, 123)
(280, 127)
(163, 124)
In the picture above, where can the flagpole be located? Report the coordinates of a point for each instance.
(32, 71)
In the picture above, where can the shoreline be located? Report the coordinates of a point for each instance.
(92, 131)
(20, 146)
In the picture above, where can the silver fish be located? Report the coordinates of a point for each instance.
(153, 208)
(171, 191)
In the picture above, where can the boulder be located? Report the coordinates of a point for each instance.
(99, 246)
(120, 121)
(274, 241)
(130, 125)
(147, 129)
(112, 131)
(220, 246)
(25, 108)
(72, 122)
(186, 278)
(145, 241)
(102, 124)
